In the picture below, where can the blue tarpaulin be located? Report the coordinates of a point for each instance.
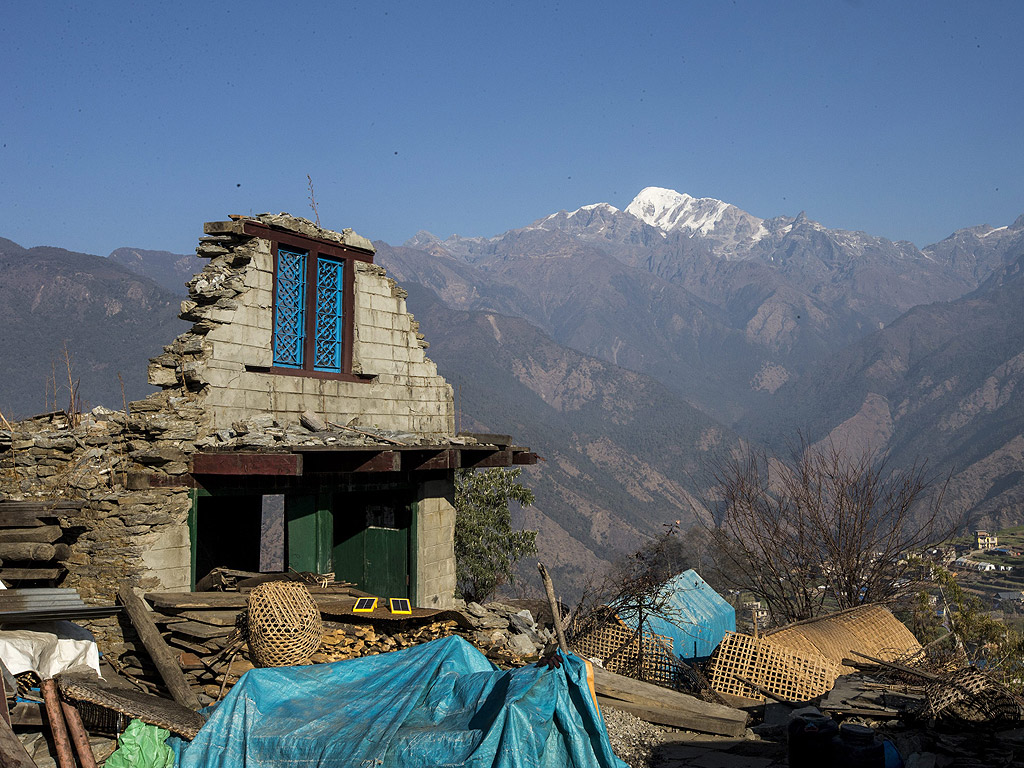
(438, 704)
(691, 613)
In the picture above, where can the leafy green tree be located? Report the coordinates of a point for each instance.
(987, 642)
(486, 547)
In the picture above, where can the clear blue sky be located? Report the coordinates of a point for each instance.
(132, 123)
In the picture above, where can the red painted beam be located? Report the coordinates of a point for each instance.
(524, 457)
(484, 457)
(267, 464)
(413, 461)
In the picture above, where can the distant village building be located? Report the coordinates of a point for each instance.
(299, 426)
(985, 540)
(973, 565)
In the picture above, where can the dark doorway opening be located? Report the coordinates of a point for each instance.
(228, 533)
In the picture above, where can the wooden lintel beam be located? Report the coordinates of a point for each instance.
(140, 481)
(379, 461)
(414, 461)
(473, 458)
(266, 464)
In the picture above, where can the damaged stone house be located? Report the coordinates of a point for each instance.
(215, 469)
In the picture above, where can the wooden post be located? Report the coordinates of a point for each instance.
(79, 735)
(165, 662)
(65, 758)
(550, 589)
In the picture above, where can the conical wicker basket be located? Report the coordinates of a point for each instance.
(284, 625)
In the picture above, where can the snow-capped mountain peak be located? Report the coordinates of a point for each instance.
(669, 210)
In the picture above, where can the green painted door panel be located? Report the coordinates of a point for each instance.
(300, 514)
(371, 543)
(386, 561)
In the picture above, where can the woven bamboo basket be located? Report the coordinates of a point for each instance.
(869, 629)
(283, 624)
(771, 667)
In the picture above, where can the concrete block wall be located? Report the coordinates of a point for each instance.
(435, 539)
(403, 391)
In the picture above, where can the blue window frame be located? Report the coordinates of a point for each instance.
(309, 309)
(290, 308)
(329, 313)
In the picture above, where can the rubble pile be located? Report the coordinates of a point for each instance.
(205, 630)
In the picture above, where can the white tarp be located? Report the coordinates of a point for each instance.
(48, 648)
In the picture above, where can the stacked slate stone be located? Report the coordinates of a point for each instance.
(507, 633)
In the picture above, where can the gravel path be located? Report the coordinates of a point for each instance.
(632, 739)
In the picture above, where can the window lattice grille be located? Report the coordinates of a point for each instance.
(327, 350)
(290, 303)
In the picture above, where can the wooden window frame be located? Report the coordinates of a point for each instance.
(314, 248)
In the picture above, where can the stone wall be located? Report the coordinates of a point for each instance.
(119, 535)
(210, 397)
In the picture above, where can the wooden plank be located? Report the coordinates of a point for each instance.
(193, 600)
(27, 514)
(215, 618)
(665, 707)
(196, 648)
(272, 533)
(27, 713)
(239, 463)
(46, 507)
(199, 630)
(31, 574)
(12, 752)
(166, 663)
(47, 534)
(190, 601)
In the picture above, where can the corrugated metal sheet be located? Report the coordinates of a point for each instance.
(19, 606)
(694, 616)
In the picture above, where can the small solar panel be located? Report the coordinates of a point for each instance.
(400, 605)
(365, 605)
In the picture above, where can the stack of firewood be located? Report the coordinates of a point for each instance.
(348, 641)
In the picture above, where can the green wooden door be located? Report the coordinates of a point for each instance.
(371, 543)
(309, 533)
(386, 561)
